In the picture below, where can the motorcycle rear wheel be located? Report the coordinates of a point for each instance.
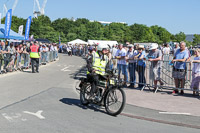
(85, 93)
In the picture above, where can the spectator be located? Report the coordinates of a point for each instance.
(60, 48)
(141, 65)
(65, 49)
(2, 49)
(176, 48)
(189, 55)
(166, 49)
(44, 51)
(179, 70)
(25, 55)
(154, 56)
(12, 52)
(121, 63)
(6, 58)
(195, 85)
(17, 56)
(56, 50)
(131, 66)
(69, 50)
(114, 51)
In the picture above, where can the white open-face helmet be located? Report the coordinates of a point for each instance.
(100, 47)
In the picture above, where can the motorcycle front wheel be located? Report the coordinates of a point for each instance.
(115, 101)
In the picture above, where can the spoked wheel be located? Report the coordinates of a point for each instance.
(85, 93)
(115, 101)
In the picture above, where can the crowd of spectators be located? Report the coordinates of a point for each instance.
(130, 60)
(77, 49)
(15, 56)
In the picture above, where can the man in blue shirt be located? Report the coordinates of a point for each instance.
(179, 71)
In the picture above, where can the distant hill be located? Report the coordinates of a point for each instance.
(189, 37)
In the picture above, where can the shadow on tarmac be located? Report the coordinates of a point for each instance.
(79, 74)
(76, 102)
(27, 71)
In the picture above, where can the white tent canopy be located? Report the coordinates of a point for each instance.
(77, 41)
(111, 43)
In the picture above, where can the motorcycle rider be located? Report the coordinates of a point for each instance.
(96, 65)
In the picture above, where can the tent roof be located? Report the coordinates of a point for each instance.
(13, 35)
(77, 41)
(111, 43)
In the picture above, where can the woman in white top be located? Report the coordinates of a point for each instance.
(195, 85)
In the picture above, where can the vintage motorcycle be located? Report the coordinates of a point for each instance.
(109, 93)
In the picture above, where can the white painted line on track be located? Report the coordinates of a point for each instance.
(9, 118)
(13, 117)
(65, 69)
(174, 113)
(37, 114)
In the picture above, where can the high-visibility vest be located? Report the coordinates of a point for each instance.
(34, 51)
(98, 64)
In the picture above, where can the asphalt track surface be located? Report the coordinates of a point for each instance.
(49, 103)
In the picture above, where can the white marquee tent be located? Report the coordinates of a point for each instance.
(111, 43)
(77, 41)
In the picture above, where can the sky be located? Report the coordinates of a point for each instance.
(174, 15)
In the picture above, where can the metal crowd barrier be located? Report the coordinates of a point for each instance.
(23, 60)
(49, 56)
(166, 77)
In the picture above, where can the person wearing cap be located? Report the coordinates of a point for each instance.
(131, 66)
(155, 57)
(179, 70)
(121, 63)
(140, 68)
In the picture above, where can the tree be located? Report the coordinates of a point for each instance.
(71, 36)
(63, 25)
(117, 31)
(196, 39)
(141, 33)
(68, 29)
(161, 34)
(95, 31)
(180, 37)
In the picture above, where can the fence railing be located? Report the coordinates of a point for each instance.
(15, 62)
(145, 76)
(164, 73)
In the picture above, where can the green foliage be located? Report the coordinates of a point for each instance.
(141, 33)
(68, 29)
(180, 37)
(188, 43)
(161, 34)
(196, 39)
